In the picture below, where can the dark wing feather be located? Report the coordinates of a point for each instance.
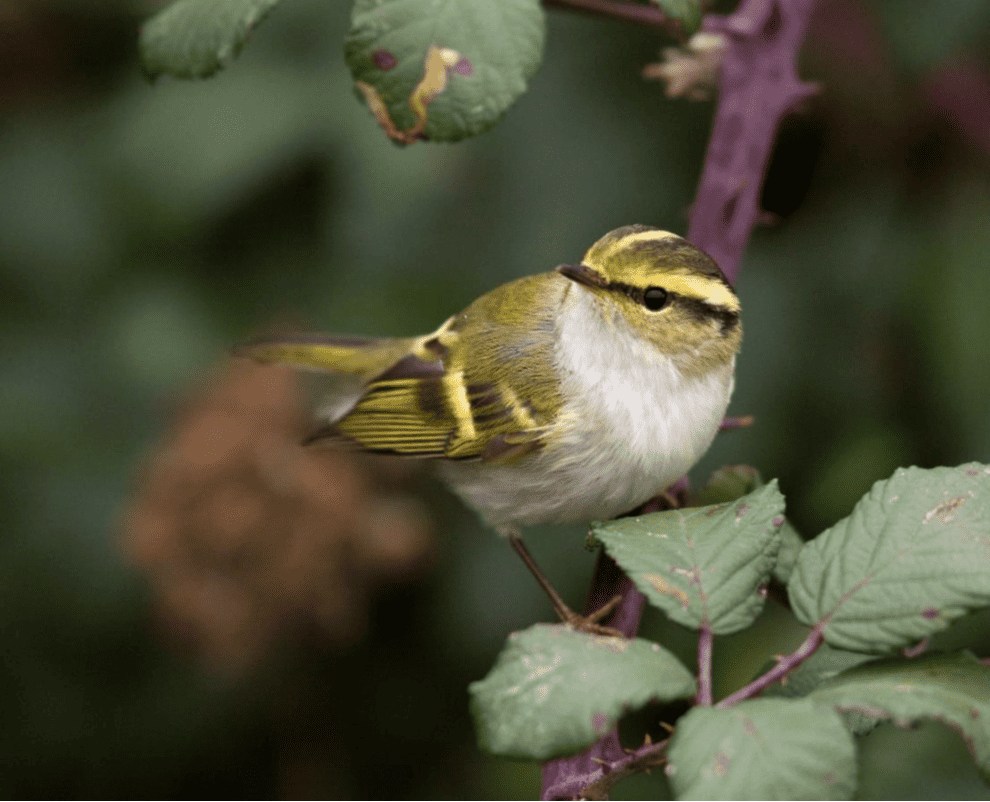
(420, 408)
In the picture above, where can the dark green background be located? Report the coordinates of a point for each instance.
(144, 229)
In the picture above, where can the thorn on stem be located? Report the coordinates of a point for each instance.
(798, 103)
(916, 650)
(737, 422)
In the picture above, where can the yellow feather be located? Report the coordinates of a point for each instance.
(703, 288)
(453, 383)
(520, 415)
(353, 356)
(622, 243)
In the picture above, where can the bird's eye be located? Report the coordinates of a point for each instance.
(655, 298)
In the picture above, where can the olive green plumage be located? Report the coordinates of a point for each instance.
(616, 370)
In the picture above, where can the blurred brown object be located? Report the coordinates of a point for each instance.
(249, 539)
(959, 93)
(51, 49)
(32, 59)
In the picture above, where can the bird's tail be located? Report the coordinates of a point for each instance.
(362, 357)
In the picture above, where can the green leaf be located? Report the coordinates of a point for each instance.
(686, 12)
(762, 749)
(913, 555)
(952, 688)
(791, 544)
(726, 484)
(195, 38)
(496, 48)
(702, 565)
(729, 483)
(824, 664)
(553, 690)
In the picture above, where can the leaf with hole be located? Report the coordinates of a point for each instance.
(553, 690)
(443, 71)
(951, 688)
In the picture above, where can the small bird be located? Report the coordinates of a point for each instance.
(564, 397)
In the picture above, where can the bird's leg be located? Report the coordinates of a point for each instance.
(588, 623)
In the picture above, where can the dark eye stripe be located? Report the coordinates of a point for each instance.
(636, 293)
(701, 311)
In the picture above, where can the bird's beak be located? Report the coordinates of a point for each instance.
(583, 274)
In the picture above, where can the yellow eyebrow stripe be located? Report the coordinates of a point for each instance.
(641, 236)
(705, 289)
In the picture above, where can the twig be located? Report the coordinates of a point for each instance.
(565, 778)
(706, 640)
(789, 663)
(917, 650)
(647, 16)
(643, 759)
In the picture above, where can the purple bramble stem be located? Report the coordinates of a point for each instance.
(759, 86)
(649, 16)
(706, 640)
(643, 759)
(917, 650)
(789, 663)
(565, 778)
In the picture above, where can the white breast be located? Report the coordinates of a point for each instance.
(634, 426)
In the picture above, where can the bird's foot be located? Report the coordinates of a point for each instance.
(582, 623)
(589, 623)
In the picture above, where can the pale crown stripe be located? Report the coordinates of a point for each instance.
(642, 236)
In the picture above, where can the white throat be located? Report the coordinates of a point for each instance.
(635, 413)
(632, 425)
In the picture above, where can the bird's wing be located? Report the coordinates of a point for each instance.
(417, 397)
(426, 405)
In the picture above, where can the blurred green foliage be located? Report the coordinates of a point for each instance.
(144, 229)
